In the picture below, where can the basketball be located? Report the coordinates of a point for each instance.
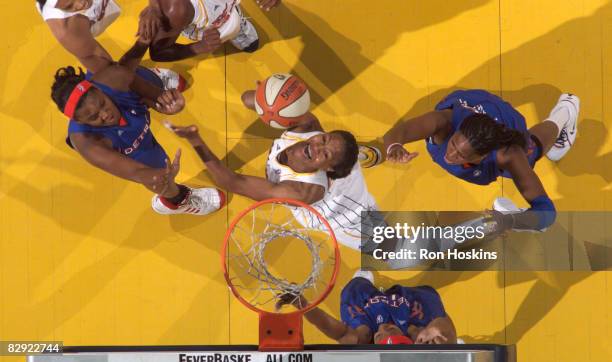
(280, 99)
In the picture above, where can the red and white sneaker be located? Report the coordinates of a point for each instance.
(170, 79)
(201, 201)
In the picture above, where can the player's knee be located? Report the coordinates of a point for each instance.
(252, 47)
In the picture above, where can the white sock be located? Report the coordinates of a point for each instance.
(559, 116)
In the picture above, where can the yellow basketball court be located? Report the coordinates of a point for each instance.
(85, 260)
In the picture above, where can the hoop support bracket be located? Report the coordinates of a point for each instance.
(280, 332)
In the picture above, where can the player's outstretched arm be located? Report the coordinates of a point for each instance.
(256, 188)
(329, 325)
(99, 154)
(418, 128)
(542, 213)
(74, 35)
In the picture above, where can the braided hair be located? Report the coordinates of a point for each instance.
(65, 80)
(349, 156)
(486, 135)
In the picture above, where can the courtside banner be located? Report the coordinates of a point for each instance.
(448, 240)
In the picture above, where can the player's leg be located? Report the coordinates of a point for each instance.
(558, 132)
(247, 39)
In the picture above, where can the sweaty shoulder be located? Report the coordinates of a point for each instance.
(115, 76)
(308, 192)
(508, 155)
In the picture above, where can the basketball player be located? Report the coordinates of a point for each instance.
(307, 164)
(208, 23)
(76, 23)
(110, 128)
(399, 315)
(477, 136)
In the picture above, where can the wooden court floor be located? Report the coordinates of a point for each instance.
(84, 259)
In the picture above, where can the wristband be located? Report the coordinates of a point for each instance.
(393, 145)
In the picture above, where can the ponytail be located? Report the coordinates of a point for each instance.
(486, 135)
(65, 80)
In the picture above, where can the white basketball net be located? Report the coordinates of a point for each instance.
(251, 273)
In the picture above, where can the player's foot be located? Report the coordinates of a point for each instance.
(201, 201)
(247, 39)
(567, 110)
(170, 79)
(506, 206)
(366, 274)
(369, 156)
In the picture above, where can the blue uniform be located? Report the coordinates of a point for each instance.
(465, 103)
(132, 136)
(362, 304)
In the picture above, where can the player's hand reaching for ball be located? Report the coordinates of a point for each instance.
(397, 153)
(267, 5)
(290, 298)
(189, 132)
(210, 42)
(170, 102)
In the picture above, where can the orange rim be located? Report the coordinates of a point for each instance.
(293, 202)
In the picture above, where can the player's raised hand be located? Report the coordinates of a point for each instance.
(297, 301)
(188, 132)
(149, 23)
(431, 335)
(397, 153)
(210, 42)
(268, 4)
(170, 102)
(158, 180)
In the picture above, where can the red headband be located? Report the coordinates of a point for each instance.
(75, 96)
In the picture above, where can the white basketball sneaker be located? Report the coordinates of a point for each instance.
(366, 274)
(201, 201)
(506, 206)
(247, 39)
(570, 105)
(171, 79)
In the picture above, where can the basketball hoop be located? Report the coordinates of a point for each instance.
(259, 272)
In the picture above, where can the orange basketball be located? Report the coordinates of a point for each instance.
(280, 99)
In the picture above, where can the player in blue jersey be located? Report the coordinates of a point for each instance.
(477, 136)
(398, 315)
(110, 128)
